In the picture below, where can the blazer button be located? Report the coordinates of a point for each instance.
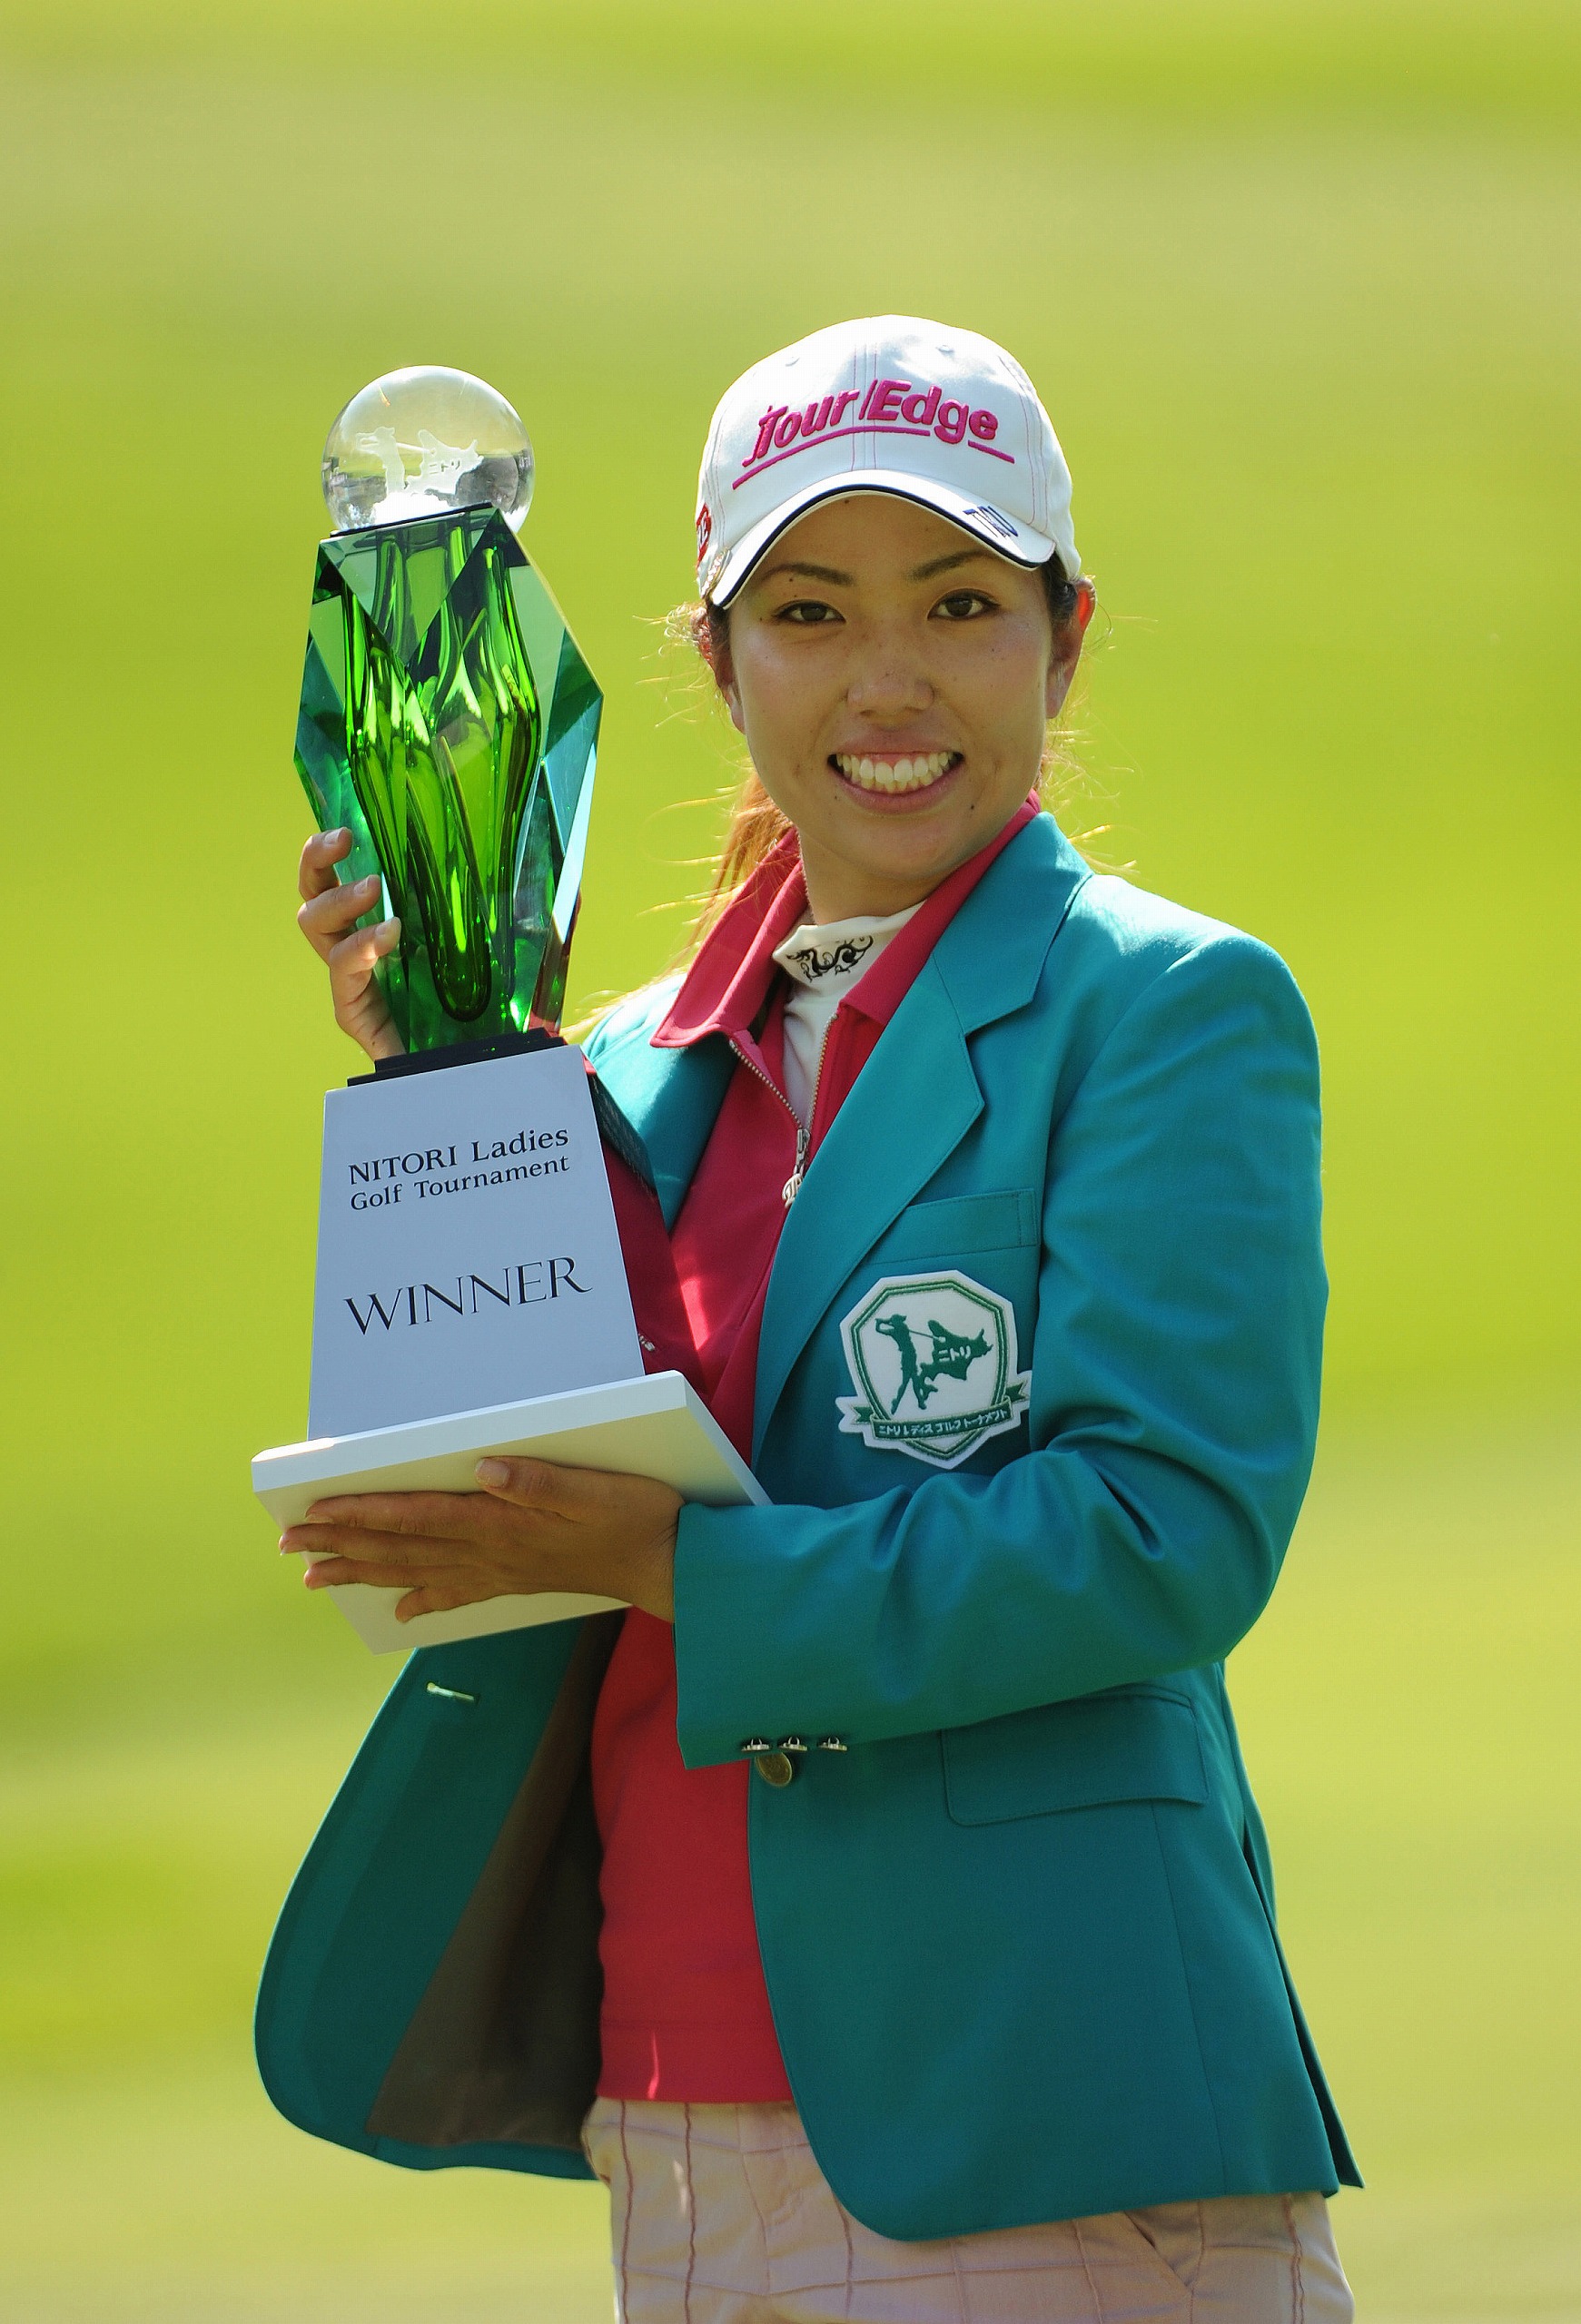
(777, 1767)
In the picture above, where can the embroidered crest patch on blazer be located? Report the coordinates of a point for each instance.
(932, 1358)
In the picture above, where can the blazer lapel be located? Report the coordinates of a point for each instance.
(671, 1099)
(916, 1097)
(912, 1104)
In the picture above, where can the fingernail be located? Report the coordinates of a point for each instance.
(492, 1472)
(366, 885)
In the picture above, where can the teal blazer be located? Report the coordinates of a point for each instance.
(1015, 1909)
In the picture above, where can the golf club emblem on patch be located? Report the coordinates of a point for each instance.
(932, 1359)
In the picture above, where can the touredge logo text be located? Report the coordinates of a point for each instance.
(887, 408)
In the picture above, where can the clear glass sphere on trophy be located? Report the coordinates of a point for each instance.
(424, 442)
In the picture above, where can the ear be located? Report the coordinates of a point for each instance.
(1067, 650)
(724, 669)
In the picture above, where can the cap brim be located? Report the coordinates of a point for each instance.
(1017, 544)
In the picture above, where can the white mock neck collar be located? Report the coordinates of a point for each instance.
(833, 954)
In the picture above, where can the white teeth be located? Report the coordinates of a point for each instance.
(895, 775)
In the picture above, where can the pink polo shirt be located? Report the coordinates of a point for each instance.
(686, 2012)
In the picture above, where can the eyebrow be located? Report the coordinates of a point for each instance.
(813, 572)
(945, 564)
(848, 580)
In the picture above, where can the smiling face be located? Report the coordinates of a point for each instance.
(894, 679)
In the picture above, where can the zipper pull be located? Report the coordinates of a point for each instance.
(792, 1185)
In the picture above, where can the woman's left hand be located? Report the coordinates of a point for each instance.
(533, 1527)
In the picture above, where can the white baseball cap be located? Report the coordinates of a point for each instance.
(887, 404)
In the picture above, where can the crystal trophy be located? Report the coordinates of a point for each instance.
(447, 718)
(470, 1294)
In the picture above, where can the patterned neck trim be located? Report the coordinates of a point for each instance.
(840, 953)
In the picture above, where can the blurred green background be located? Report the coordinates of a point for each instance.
(1298, 283)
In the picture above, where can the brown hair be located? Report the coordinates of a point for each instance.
(756, 825)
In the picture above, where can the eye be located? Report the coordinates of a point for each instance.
(808, 613)
(963, 604)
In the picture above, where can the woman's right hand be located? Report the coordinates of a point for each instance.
(328, 919)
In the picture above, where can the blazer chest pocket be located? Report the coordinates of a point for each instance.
(961, 1224)
(1090, 1753)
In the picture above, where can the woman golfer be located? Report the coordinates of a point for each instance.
(880, 1908)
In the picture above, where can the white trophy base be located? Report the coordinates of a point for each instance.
(656, 1426)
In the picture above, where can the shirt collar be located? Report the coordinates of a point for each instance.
(724, 989)
(833, 956)
(881, 992)
(728, 983)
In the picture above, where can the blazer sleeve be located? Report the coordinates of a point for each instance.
(1173, 1412)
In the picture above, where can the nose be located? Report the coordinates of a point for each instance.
(890, 683)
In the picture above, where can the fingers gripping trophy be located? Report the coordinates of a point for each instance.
(471, 1294)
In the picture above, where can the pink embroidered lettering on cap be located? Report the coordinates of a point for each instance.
(765, 428)
(888, 404)
(913, 414)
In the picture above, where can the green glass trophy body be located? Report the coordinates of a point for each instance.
(470, 1293)
(450, 722)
